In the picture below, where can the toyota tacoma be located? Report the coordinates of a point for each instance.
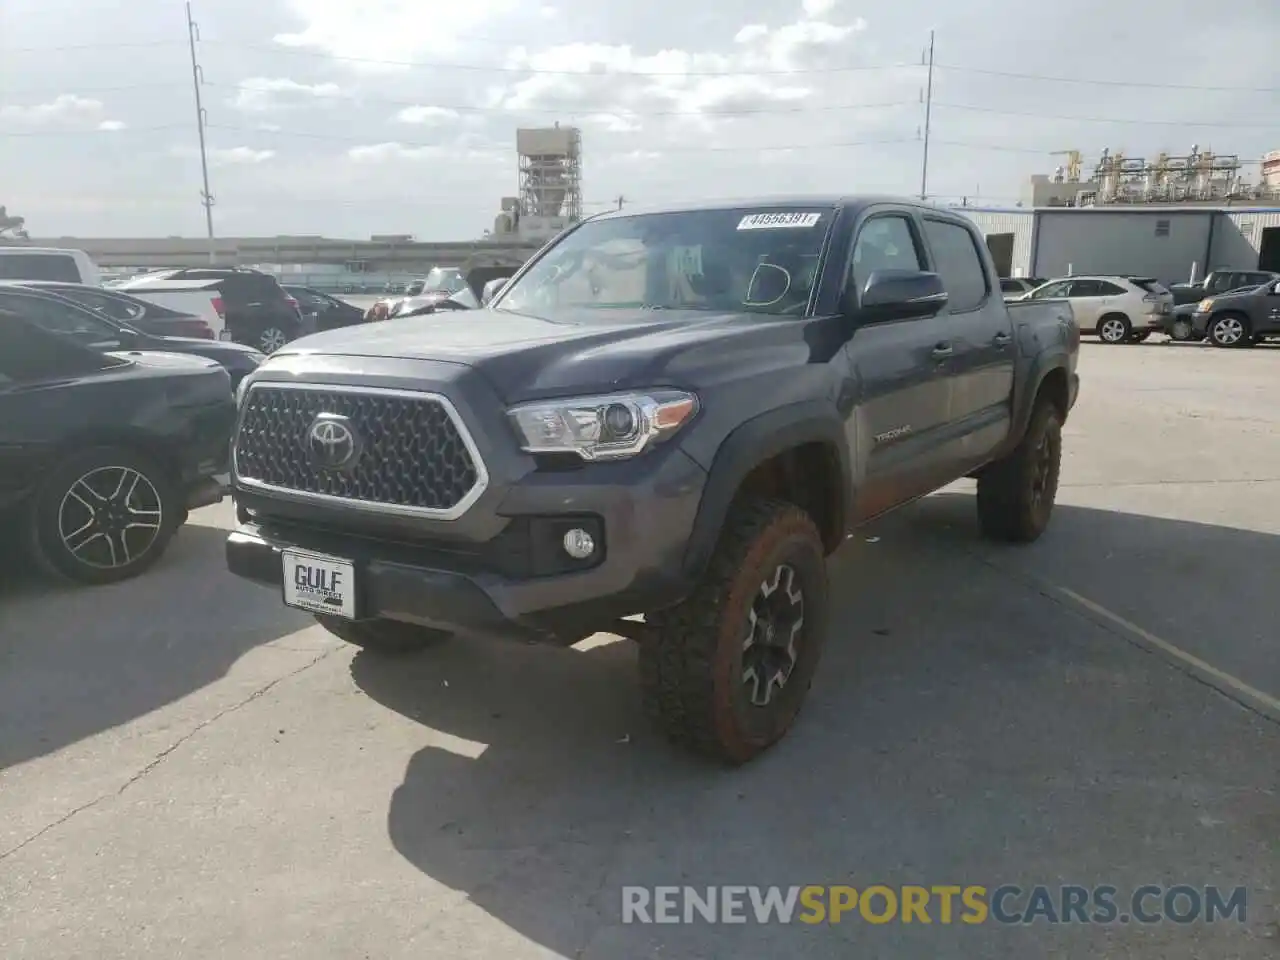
(660, 428)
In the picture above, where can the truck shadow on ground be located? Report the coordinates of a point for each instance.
(75, 661)
(962, 726)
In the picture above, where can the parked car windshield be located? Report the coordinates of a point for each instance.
(442, 280)
(745, 259)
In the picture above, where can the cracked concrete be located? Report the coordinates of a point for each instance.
(187, 770)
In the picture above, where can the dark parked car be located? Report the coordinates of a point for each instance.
(1240, 318)
(1219, 281)
(259, 312)
(103, 454)
(323, 312)
(60, 315)
(677, 414)
(125, 308)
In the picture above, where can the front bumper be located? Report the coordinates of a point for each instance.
(506, 571)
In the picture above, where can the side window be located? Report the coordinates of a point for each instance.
(1086, 288)
(61, 319)
(39, 266)
(110, 306)
(1052, 290)
(1010, 286)
(957, 262)
(884, 243)
(1106, 289)
(29, 354)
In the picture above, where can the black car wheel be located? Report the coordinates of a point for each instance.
(1181, 330)
(271, 339)
(1016, 495)
(104, 515)
(727, 671)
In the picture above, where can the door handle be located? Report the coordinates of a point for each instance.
(1002, 339)
(942, 350)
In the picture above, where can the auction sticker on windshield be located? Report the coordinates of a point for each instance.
(778, 221)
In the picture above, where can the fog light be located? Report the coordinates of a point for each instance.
(579, 544)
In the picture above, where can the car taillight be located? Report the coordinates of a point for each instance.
(219, 308)
(292, 302)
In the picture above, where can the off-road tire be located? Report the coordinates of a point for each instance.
(1009, 509)
(45, 536)
(385, 637)
(692, 667)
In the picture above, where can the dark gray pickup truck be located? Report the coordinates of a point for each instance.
(677, 414)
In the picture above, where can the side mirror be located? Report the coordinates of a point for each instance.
(492, 289)
(901, 295)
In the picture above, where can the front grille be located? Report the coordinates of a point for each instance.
(410, 452)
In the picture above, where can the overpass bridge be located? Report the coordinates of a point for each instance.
(381, 255)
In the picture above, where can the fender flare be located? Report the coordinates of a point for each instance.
(750, 444)
(1042, 364)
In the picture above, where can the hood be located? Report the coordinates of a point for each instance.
(526, 358)
(170, 361)
(207, 348)
(1239, 293)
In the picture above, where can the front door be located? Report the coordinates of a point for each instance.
(901, 369)
(1269, 315)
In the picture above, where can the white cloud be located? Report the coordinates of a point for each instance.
(548, 12)
(258, 94)
(432, 116)
(66, 106)
(619, 83)
(111, 125)
(393, 150)
(818, 8)
(225, 156)
(387, 30)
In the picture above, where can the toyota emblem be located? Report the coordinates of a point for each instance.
(331, 441)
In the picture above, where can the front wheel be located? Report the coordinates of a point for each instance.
(104, 515)
(1181, 330)
(1229, 330)
(727, 671)
(1016, 494)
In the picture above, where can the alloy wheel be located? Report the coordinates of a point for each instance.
(272, 339)
(775, 628)
(1228, 331)
(110, 517)
(1112, 331)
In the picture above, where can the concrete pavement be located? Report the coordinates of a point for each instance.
(187, 769)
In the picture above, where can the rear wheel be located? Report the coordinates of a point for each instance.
(104, 515)
(383, 636)
(271, 339)
(1016, 494)
(726, 672)
(1114, 328)
(1181, 330)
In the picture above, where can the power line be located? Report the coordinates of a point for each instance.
(364, 141)
(1094, 81)
(591, 72)
(1125, 120)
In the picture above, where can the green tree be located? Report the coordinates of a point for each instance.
(12, 227)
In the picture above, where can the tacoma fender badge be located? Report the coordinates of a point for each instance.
(893, 434)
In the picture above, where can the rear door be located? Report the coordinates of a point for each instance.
(902, 368)
(1268, 316)
(981, 369)
(1086, 301)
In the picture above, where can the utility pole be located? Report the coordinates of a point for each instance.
(197, 78)
(621, 201)
(928, 110)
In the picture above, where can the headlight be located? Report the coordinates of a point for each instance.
(609, 427)
(1204, 306)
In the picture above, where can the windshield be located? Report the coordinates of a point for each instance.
(759, 260)
(443, 280)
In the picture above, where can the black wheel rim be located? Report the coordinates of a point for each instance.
(110, 517)
(774, 635)
(1042, 469)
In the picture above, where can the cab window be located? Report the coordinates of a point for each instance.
(884, 243)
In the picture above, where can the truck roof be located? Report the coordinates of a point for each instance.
(779, 201)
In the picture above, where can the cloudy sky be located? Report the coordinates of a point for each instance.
(348, 118)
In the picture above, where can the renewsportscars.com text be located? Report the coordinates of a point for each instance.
(943, 904)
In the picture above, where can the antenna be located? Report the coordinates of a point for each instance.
(197, 78)
(928, 110)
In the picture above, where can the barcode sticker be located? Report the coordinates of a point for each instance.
(778, 221)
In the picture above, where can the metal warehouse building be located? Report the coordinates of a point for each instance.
(1169, 243)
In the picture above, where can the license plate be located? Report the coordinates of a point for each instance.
(224, 335)
(319, 584)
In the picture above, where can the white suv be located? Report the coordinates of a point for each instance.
(1117, 309)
